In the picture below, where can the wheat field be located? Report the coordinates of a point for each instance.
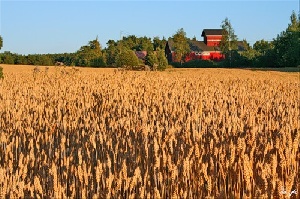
(181, 133)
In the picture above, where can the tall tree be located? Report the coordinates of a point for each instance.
(162, 60)
(159, 43)
(229, 39)
(90, 55)
(294, 26)
(127, 59)
(180, 44)
(287, 44)
(145, 43)
(1, 42)
(228, 42)
(262, 46)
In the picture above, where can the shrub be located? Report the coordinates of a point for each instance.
(127, 58)
(162, 60)
(157, 60)
(151, 59)
(98, 62)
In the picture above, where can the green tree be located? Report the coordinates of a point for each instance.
(262, 46)
(1, 42)
(228, 42)
(90, 55)
(294, 26)
(162, 60)
(151, 59)
(8, 58)
(130, 42)
(287, 44)
(145, 44)
(181, 45)
(159, 43)
(229, 39)
(248, 55)
(127, 59)
(111, 52)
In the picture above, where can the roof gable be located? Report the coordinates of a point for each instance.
(196, 46)
(206, 32)
(141, 54)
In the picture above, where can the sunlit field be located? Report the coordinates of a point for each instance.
(181, 133)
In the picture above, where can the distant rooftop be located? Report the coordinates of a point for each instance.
(211, 32)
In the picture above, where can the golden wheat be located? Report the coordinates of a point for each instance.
(101, 133)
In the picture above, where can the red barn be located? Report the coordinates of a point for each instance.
(206, 50)
(212, 37)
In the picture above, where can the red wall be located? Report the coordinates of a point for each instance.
(212, 56)
(213, 37)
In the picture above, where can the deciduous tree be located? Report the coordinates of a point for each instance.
(287, 44)
(180, 44)
(1, 42)
(127, 59)
(228, 42)
(90, 55)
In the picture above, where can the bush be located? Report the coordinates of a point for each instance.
(98, 62)
(151, 59)
(162, 60)
(157, 60)
(127, 58)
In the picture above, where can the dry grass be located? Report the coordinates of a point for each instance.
(101, 133)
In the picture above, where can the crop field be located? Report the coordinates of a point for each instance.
(182, 133)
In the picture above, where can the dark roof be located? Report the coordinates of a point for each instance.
(170, 43)
(141, 54)
(211, 32)
(196, 46)
(199, 46)
(241, 46)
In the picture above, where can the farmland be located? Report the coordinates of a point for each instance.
(188, 133)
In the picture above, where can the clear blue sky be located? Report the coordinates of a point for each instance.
(29, 27)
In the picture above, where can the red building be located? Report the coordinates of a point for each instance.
(212, 37)
(209, 49)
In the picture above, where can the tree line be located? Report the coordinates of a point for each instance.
(283, 51)
(116, 54)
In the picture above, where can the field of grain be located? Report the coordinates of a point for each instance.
(189, 133)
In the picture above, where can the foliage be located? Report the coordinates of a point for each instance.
(112, 51)
(262, 46)
(137, 43)
(127, 58)
(90, 55)
(181, 45)
(229, 39)
(287, 44)
(283, 51)
(151, 59)
(157, 60)
(159, 43)
(162, 60)
(228, 42)
(1, 42)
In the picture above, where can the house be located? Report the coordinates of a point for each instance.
(141, 54)
(212, 37)
(205, 50)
